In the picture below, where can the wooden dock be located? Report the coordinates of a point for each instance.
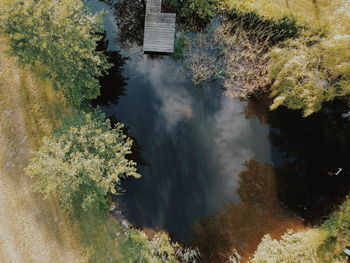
(159, 33)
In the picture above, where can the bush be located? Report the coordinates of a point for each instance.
(321, 244)
(261, 28)
(83, 164)
(61, 36)
(192, 14)
(137, 248)
(292, 248)
(309, 71)
(229, 54)
(158, 249)
(181, 42)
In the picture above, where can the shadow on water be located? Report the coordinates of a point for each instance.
(308, 180)
(311, 155)
(240, 226)
(221, 173)
(130, 19)
(113, 82)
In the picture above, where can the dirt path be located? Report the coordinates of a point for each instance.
(31, 230)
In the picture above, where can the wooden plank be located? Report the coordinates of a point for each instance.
(159, 31)
(154, 6)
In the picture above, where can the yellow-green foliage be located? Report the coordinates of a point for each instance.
(338, 228)
(60, 36)
(192, 15)
(315, 67)
(43, 105)
(137, 248)
(140, 248)
(83, 164)
(298, 247)
(321, 244)
(306, 11)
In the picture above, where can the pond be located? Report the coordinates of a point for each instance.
(215, 168)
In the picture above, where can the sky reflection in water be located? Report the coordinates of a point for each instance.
(196, 141)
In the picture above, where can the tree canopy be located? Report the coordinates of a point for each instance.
(313, 67)
(60, 37)
(84, 163)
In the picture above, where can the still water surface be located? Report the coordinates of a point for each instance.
(195, 142)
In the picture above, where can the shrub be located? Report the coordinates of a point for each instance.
(229, 54)
(261, 28)
(292, 248)
(192, 14)
(159, 249)
(83, 164)
(61, 36)
(309, 71)
(137, 248)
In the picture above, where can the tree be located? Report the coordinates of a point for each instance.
(84, 163)
(292, 248)
(59, 37)
(192, 14)
(159, 249)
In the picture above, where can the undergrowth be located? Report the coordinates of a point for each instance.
(235, 52)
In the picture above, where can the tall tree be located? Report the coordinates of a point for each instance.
(84, 163)
(60, 37)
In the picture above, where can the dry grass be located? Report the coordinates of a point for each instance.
(310, 12)
(231, 55)
(31, 229)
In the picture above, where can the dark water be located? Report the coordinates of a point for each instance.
(195, 142)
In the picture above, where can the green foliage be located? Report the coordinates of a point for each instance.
(61, 36)
(137, 248)
(262, 28)
(84, 163)
(292, 248)
(309, 71)
(321, 244)
(339, 223)
(98, 233)
(181, 43)
(193, 14)
(203, 8)
(159, 249)
(338, 228)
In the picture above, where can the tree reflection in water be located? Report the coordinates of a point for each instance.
(308, 153)
(130, 18)
(113, 83)
(302, 183)
(241, 226)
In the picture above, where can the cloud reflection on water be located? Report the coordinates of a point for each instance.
(194, 138)
(176, 102)
(223, 129)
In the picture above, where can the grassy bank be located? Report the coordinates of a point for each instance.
(32, 229)
(48, 80)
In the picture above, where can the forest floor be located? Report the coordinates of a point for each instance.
(32, 229)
